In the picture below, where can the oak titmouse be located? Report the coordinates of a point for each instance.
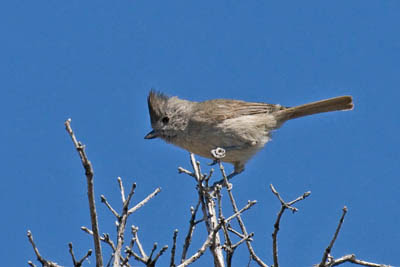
(240, 128)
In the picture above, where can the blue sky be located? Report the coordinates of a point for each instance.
(95, 62)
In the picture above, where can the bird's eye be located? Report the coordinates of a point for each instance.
(165, 120)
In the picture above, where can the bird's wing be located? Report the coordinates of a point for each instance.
(219, 110)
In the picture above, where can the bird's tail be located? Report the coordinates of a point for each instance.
(327, 105)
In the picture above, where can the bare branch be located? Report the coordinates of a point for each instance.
(230, 229)
(121, 188)
(78, 263)
(203, 248)
(130, 252)
(113, 211)
(329, 261)
(284, 206)
(162, 250)
(136, 239)
(239, 218)
(209, 213)
(329, 248)
(127, 201)
(105, 238)
(144, 201)
(172, 262)
(39, 257)
(122, 221)
(87, 165)
(192, 225)
(352, 258)
(182, 170)
(243, 240)
(236, 214)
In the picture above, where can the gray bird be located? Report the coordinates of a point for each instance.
(240, 128)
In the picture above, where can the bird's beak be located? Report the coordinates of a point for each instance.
(151, 135)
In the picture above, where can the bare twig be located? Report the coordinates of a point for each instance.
(237, 213)
(284, 206)
(192, 225)
(158, 255)
(105, 238)
(352, 258)
(122, 219)
(329, 261)
(130, 252)
(229, 249)
(230, 229)
(78, 263)
(87, 165)
(144, 201)
(121, 188)
(243, 240)
(182, 170)
(202, 249)
(209, 241)
(147, 260)
(137, 241)
(113, 211)
(329, 248)
(172, 262)
(239, 218)
(209, 213)
(39, 257)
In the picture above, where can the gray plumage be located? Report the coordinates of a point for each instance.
(241, 128)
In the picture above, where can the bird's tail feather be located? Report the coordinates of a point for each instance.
(327, 105)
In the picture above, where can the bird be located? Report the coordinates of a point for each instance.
(237, 128)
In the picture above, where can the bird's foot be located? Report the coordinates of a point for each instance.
(215, 161)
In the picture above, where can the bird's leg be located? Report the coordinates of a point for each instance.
(219, 153)
(232, 174)
(238, 168)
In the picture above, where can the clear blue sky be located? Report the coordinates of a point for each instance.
(95, 61)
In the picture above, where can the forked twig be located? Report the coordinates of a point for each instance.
(284, 206)
(87, 165)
